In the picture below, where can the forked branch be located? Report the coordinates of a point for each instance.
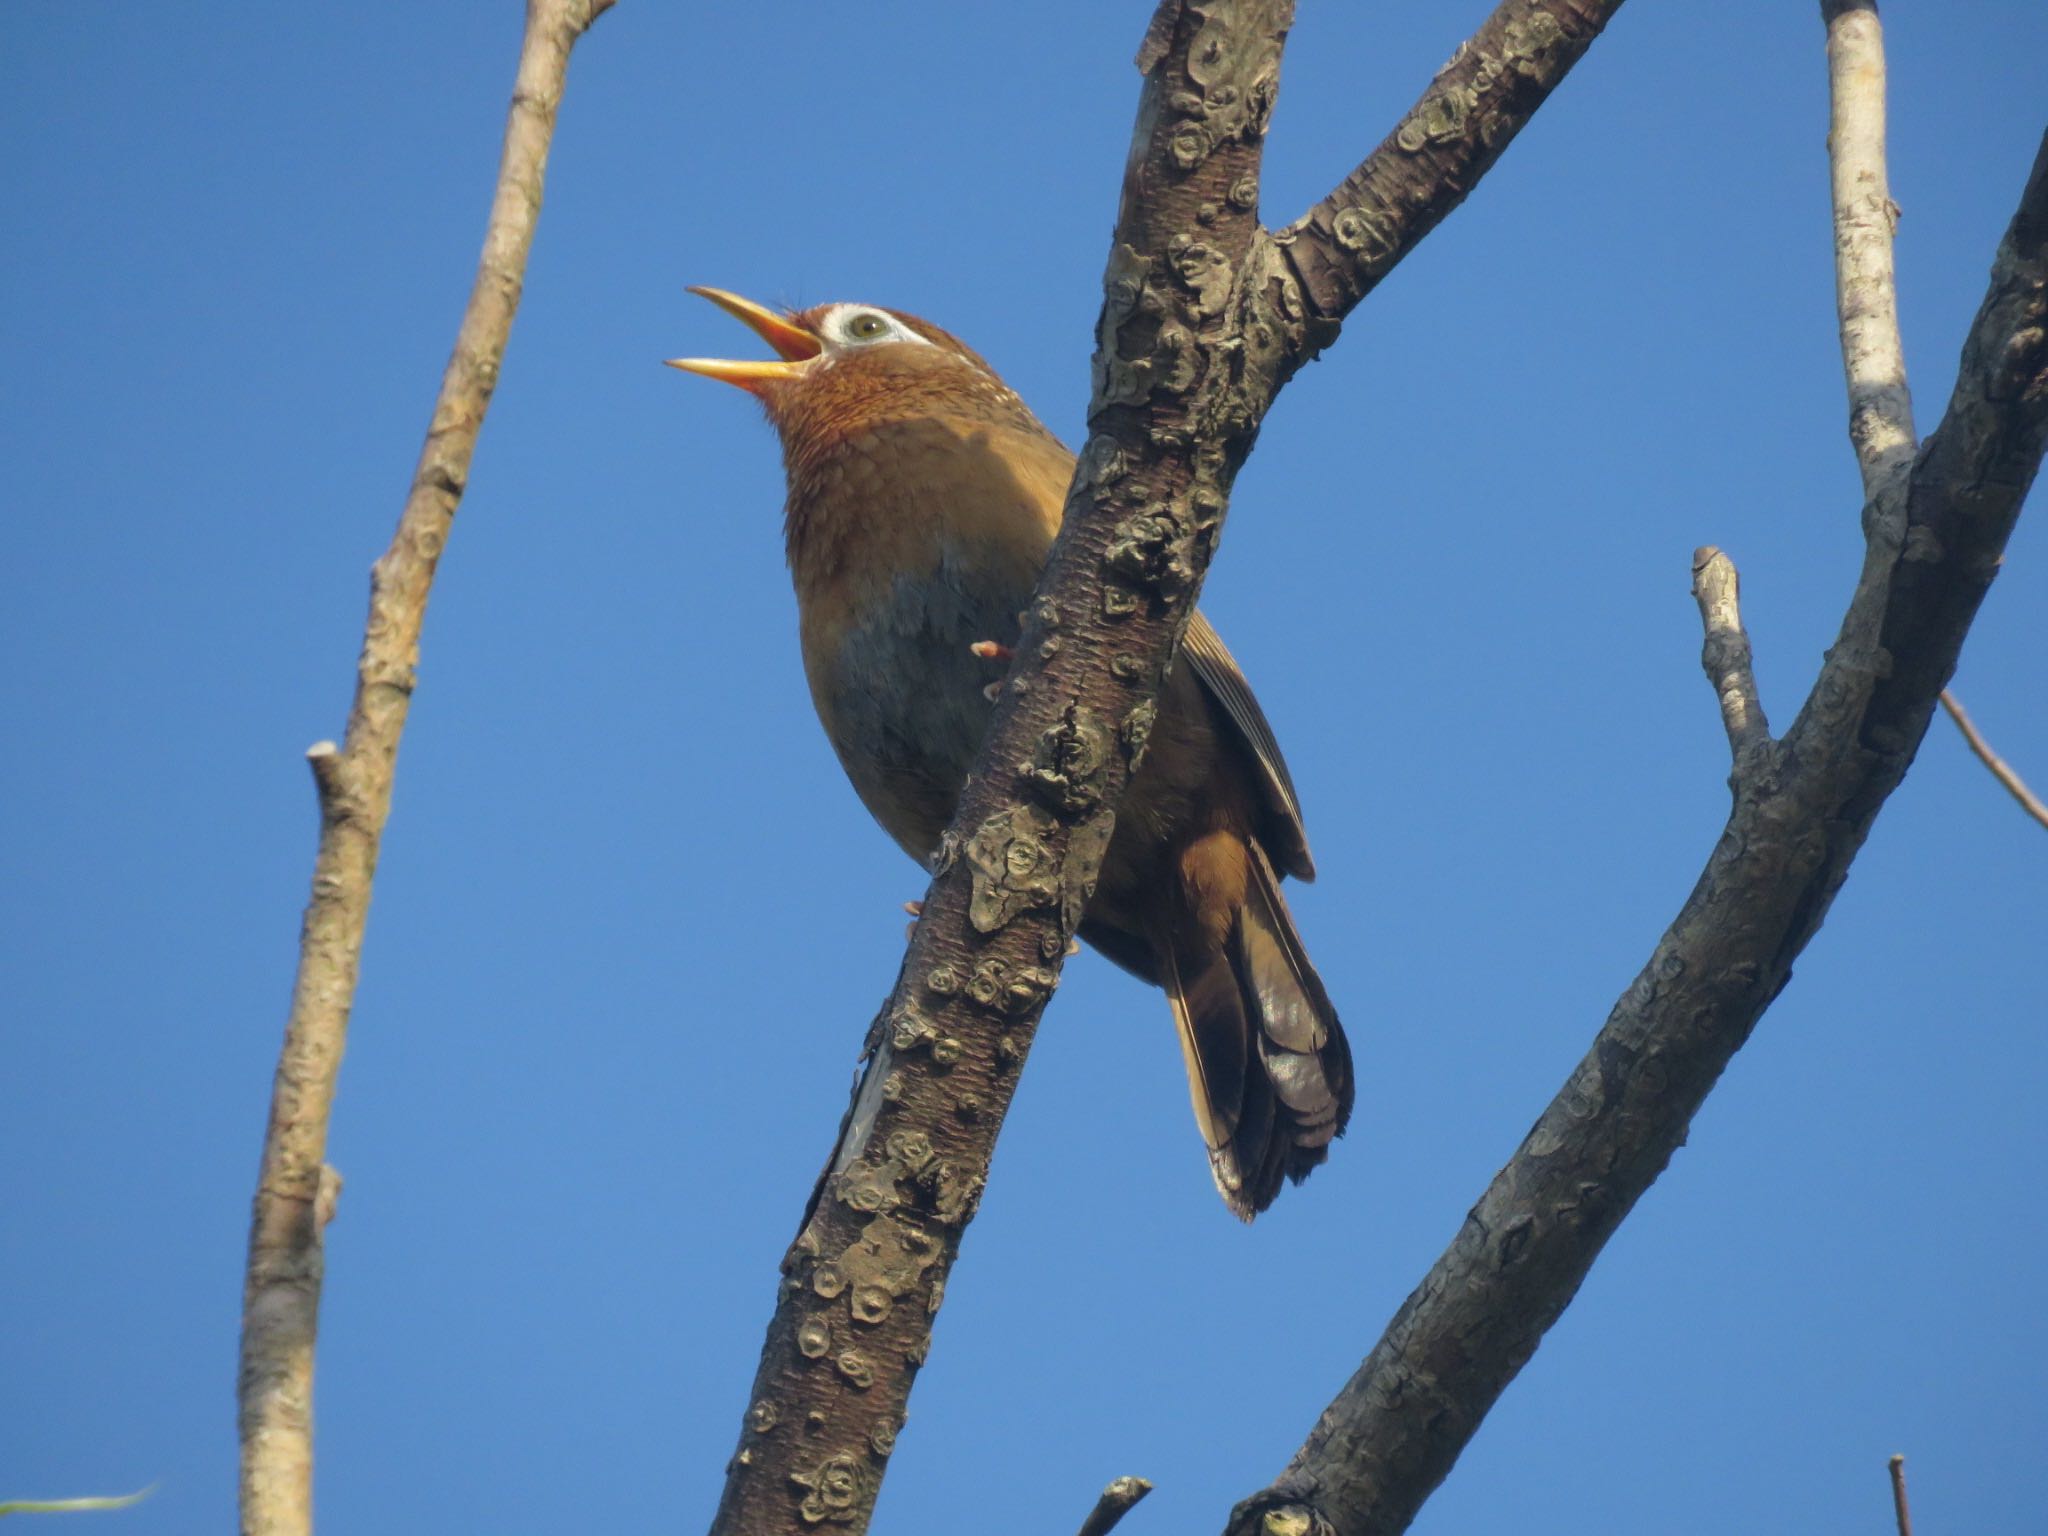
(1203, 320)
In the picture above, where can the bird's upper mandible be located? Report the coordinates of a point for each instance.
(839, 367)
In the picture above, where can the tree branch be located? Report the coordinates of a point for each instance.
(1399, 1424)
(295, 1192)
(1866, 292)
(1176, 399)
(1717, 589)
(1478, 102)
(1203, 321)
(1117, 1500)
(2001, 770)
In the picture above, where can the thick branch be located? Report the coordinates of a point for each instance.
(295, 1193)
(1178, 393)
(1866, 292)
(1967, 484)
(2001, 770)
(1204, 318)
(1478, 102)
(1400, 1423)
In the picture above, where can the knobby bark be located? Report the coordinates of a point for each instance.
(1493, 84)
(295, 1191)
(1802, 807)
(1205, 317)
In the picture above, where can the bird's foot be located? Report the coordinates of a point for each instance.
(992, 650)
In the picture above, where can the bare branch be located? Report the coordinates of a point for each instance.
(1478, 102)
(1725, 655)
(1117, 1500)
(1899, 1509)
(295, 1191)
(1399, 1424)
(1866, 290)
(1205, 317)
(1966, 487)
(2000, 769)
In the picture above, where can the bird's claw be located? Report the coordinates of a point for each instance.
(991, 650)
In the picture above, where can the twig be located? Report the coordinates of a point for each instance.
(2000, 769)
(1866, 290)
(1904, 1514)
(295, 1191)
(1725, 654)
(1117, 1501)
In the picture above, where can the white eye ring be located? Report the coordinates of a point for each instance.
(840, 322)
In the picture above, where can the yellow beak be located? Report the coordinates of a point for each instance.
(795, 345)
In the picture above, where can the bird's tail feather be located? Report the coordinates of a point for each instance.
(1269, 1069)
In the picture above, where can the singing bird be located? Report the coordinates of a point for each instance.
(923, 501)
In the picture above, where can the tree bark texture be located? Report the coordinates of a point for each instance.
(1203, 321)
(295, 1191)
(1493, 84)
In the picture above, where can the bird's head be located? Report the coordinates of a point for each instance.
(841, 368)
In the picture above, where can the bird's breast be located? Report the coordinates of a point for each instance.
(917, 545)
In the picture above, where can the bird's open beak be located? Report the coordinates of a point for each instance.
(795, 345)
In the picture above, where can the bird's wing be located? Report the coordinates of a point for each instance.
(1204, 651)
(1045, 466)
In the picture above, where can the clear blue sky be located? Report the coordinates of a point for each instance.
(631, 922)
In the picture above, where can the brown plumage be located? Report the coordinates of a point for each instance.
(923, 500)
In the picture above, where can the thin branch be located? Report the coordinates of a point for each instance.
(295, 1192)
(1117, 1500)
(1866, 290)
(1725, 655)
(1899, 1507)
(1399, 1424)
(2001, 770)
(1478, 102)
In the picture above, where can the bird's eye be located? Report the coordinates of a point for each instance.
(866, 327)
